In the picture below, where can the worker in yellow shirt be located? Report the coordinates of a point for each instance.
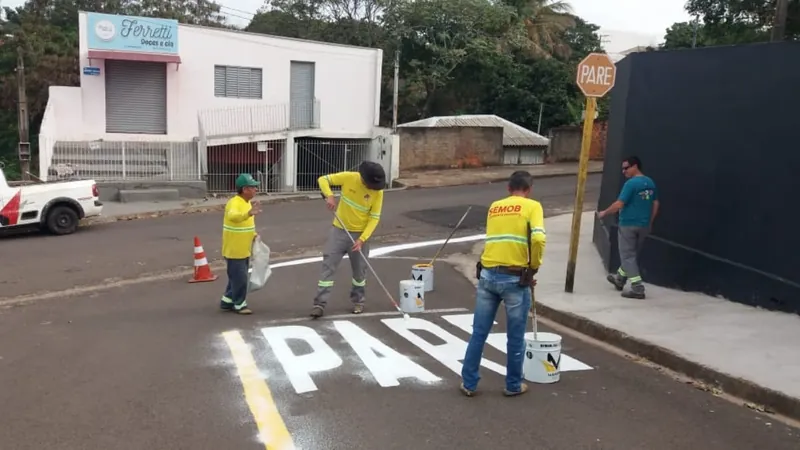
(512, 254)
(360, 210)
(238, 232)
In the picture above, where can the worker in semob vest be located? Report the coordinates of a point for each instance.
(512, 254)
(238, 233)
(638, 207)
(360, 210)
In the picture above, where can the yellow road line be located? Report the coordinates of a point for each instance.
(270, 424)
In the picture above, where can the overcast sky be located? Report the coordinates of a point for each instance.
(645, 17)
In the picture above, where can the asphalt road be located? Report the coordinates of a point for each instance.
(148, 367)
(105, 253)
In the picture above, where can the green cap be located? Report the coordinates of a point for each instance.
(246, 180)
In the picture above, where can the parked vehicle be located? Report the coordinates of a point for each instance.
(57, 207)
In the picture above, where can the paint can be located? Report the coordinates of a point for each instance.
(542, 358)
(424, 273)
(412, 296)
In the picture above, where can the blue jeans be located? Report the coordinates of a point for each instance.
(494, 287)
(235, 296)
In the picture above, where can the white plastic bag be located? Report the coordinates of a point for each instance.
(259, 265)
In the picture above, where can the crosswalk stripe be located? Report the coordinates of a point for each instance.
(499, 340)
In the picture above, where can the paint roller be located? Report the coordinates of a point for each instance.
(451, 236)
(369, 266)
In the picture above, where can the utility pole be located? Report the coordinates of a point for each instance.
(24, 149)
(779, 25)
(395, 87)
(539, 126)
(694, 31)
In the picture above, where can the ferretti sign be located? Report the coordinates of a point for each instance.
(132, 34)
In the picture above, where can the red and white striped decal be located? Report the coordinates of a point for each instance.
(11, 209)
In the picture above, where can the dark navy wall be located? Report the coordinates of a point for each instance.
(717, 129)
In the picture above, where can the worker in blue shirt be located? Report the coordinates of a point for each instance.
(638, 206)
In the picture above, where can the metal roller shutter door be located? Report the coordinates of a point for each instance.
(136, 97)
(301, 94)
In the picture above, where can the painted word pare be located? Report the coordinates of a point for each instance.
(386, 364)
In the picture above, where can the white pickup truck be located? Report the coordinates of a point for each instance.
(56, 207)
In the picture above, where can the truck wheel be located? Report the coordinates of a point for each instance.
(62, 220)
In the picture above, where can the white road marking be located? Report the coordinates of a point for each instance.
(449, 354)
(499, 340)
(388, 367)
(382, 251)
(360, 316)
(299, 368)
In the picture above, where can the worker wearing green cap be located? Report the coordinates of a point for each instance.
(238, 232)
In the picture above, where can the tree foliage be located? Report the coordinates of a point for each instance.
(504, 57)
(728, 22)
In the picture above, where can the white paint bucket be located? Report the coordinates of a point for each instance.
(542, 358)
(424, 273)
(412, 296)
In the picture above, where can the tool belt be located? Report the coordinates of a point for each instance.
(525, 273)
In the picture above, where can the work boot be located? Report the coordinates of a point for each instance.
(616, 280)
(244, 311)
(523, 388)
(637, 292)
(358, 308)
(317, 312)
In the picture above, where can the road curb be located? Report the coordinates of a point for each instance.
(194, 209)
(772, 400)
(188, 210)
(494, 180)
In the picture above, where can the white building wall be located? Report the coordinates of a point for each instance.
(347, 82)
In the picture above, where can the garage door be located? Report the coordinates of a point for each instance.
(136, 97)
(523, 155)
(301, 94)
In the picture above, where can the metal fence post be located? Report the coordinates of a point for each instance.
(199, 163)
(124, 162)
(171, 161)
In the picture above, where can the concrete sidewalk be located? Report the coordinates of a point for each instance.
(116, 211)
(460, 177)
(743, 351)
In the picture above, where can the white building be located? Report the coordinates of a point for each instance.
(165, 102)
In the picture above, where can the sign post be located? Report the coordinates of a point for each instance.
(596, 77)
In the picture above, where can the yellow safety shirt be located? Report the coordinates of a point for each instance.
(238, 229)
(359, 207)
(507, 233)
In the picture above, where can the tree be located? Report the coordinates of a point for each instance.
(742, 21)
(438, 36)
(545, 22)
(581, 38)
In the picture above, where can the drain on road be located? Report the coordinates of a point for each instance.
(449, 217)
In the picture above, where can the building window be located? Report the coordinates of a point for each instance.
(237, 82)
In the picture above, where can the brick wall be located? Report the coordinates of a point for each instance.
(565, 142)
(452, 147)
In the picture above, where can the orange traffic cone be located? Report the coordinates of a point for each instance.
(202, 271)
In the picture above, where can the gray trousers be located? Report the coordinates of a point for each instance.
(631, 240)
(336, 247)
